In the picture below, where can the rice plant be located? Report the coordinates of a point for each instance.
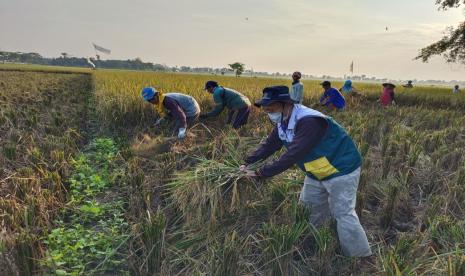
(279, 245)
(189, 208)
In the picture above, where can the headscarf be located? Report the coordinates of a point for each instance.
(347, 86)
(159, 106)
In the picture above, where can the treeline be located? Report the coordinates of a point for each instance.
(65, 60)
(130, 64)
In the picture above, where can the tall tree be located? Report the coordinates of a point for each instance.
(238, 68)
(452, 45)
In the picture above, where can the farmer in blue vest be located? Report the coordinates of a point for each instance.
(327, 155)
(331, 97)
(226, 97)
(183, 108)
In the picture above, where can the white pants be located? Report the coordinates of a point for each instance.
(337, 196)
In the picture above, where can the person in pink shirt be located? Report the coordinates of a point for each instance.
(387, 97)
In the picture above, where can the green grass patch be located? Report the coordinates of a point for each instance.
(93, 227)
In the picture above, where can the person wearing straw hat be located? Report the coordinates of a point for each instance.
(388, 96)
(183, 108)
(297, 93)
(226, 97)
(325, 153)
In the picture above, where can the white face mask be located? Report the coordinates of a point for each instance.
(275, 117)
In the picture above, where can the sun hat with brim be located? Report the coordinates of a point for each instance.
(388, 84)
(274, 94)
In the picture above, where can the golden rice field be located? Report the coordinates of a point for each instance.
(89, 186)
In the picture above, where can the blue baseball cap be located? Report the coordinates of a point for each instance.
(274, 94)
(148, 93)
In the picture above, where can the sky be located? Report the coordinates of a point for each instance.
(312, 36)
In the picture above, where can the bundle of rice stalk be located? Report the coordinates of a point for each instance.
(211, 190)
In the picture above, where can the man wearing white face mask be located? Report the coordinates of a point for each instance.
(328, 156)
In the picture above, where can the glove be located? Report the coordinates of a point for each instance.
(158, 122)
(182, 133)
(203, 116)
(251, 173)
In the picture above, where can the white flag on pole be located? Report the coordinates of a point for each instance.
(101, 49)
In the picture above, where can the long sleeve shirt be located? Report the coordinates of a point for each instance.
(387, 97)
(308, 133)
(225, 97)
(334, 97)
(176, 111)
(297, 92)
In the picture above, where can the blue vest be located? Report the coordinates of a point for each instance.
(336, 153)
(188, 104)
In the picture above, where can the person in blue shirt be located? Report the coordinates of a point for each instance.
(331, 97)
